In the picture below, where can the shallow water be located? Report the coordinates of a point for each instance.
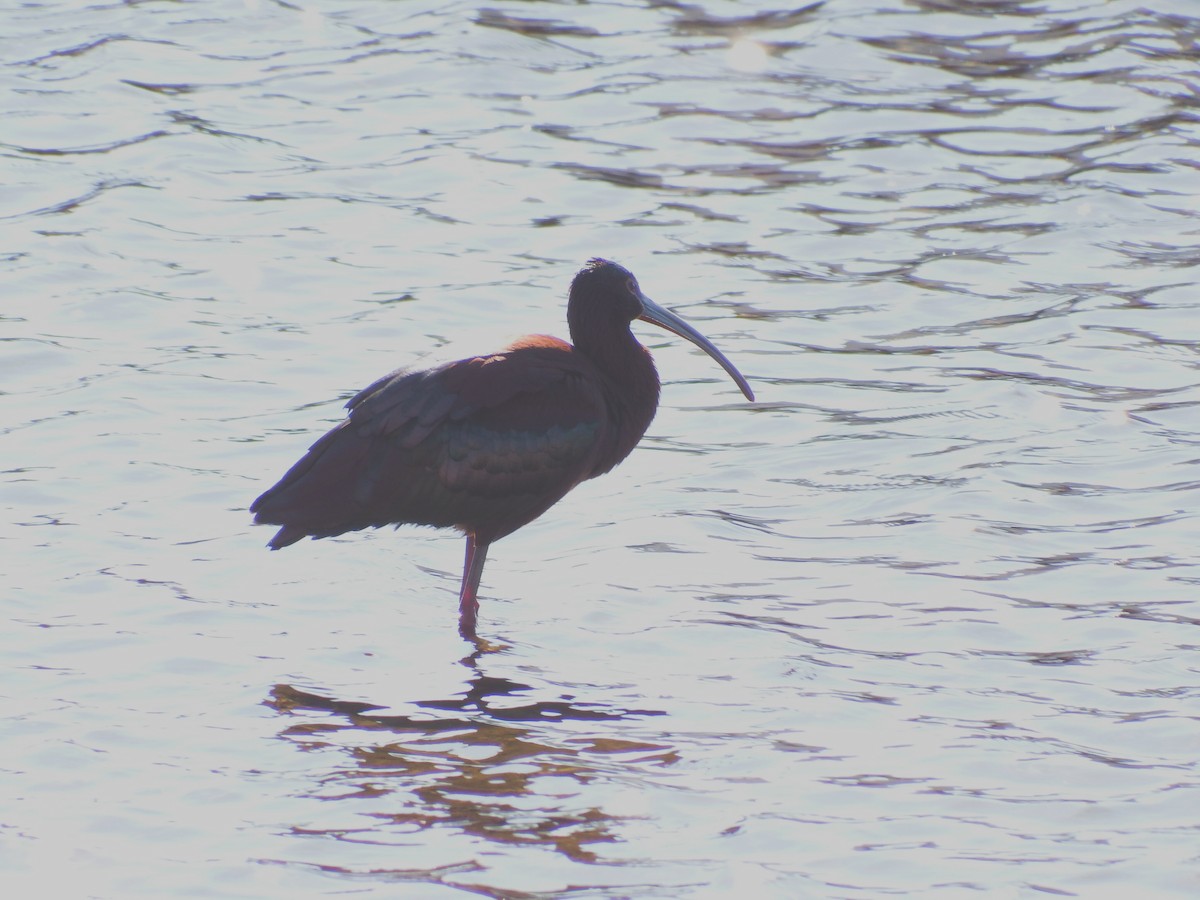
(920, 620)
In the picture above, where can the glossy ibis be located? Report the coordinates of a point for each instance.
(487, 444)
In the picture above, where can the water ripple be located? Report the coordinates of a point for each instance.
(917, 621)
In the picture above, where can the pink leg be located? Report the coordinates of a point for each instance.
(468, 605)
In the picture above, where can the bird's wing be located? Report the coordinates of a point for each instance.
(485, 444)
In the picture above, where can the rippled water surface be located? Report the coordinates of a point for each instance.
(922, 620)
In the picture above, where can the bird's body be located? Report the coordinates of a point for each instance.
(486, 444)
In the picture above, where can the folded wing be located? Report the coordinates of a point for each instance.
(484, 444)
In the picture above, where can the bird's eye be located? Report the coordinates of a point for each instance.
(632, 285)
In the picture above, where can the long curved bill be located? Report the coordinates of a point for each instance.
(663, 318)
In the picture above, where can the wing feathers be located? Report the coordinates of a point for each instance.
(485, 444)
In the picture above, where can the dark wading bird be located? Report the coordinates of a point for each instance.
(488, 444)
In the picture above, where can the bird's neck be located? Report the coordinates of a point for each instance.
(631, 389)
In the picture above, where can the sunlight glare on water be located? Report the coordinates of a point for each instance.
(920, 620)
(747, 55)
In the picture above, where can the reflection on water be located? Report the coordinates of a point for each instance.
(482, 773)
(917, 622)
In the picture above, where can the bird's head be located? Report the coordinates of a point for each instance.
(604, 295)
(605, 288)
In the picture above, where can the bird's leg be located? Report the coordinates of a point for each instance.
(468, 604)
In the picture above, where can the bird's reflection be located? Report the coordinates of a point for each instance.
(482, 763)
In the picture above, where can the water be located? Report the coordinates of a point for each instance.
(920, 621)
